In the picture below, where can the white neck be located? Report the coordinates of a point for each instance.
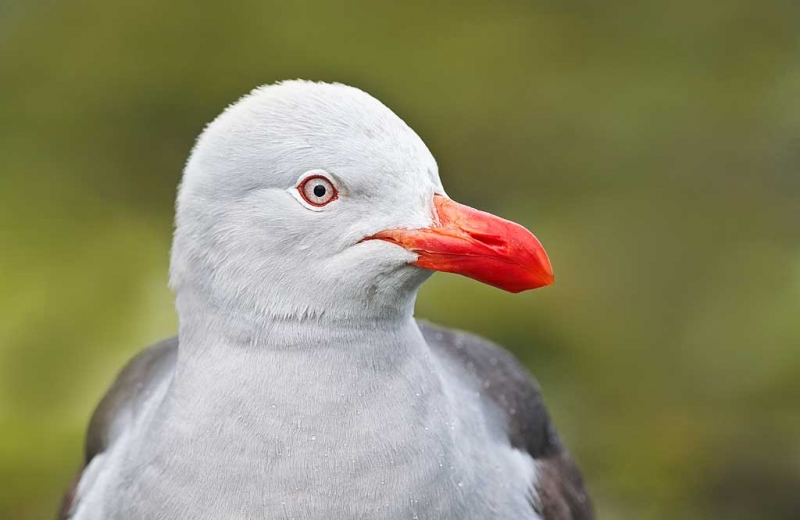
(314, 400)
(308, 365)
(204, 325)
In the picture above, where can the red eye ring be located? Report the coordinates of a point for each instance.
(317, 191)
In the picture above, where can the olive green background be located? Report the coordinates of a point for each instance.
(653, 147)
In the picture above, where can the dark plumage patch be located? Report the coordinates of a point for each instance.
(562, 495)
(133, 381)
(69, 498)
(128, 389)
(502, 380)
(506, 384)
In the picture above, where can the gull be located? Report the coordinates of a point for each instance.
(300, 385)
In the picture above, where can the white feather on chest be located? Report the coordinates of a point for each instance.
(380, 430)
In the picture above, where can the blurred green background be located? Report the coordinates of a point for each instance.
(653, 147)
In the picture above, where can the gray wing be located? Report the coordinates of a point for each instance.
(562, 495)
(122, 402)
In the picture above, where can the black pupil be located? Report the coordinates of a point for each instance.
(319, 190)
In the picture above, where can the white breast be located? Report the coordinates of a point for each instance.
(355, 440)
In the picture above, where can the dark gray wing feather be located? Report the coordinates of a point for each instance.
(562, 495)
(124, 397)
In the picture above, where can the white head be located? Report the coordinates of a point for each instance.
(282, 192)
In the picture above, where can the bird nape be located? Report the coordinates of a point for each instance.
(299, 384)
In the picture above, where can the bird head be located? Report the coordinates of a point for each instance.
(307, 199)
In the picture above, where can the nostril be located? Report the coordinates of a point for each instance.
(494, 241)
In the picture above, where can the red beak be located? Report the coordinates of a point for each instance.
(476, 244)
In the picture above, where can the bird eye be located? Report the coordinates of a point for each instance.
(317, 190)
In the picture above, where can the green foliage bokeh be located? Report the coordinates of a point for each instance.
(653, 147)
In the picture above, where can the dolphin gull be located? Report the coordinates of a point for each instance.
(300, 385)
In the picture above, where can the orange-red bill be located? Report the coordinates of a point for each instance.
(476, 244)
